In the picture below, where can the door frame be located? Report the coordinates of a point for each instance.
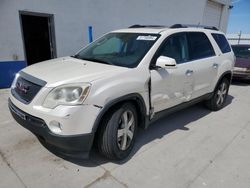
(51, 27)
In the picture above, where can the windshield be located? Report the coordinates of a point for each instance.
(242, 51)
(120, 49)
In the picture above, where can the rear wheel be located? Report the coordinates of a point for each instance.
(117, 136)
(219, 96)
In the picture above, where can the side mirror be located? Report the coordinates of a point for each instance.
(166, 62)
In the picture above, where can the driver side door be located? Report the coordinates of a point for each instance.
(170, 87)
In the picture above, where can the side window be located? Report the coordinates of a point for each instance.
(241, 51)
(175, 47)
(199, 46)
(222, 42)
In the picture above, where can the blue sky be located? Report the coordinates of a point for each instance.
(239, 19)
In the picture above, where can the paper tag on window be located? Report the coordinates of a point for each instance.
(148, 37)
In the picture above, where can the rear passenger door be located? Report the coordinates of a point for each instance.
(202, 61)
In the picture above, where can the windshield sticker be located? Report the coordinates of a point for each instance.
(148, 37)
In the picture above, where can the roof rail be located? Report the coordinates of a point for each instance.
(175, 26)
(144, 26)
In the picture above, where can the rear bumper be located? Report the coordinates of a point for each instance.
(69, 144)
(241, 75)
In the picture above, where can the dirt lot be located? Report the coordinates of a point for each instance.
(192, 148)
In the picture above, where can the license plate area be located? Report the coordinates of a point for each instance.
(19, 113)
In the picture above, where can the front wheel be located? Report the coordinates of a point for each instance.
(117, 135)
(219, 96)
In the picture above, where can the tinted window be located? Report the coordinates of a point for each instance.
(222, 42)
(176, 47)
(199, 46)
(242, 51)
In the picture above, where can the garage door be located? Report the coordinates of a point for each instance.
(212, 14)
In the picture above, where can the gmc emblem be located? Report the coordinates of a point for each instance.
(22, 87)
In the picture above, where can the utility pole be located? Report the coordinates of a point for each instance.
(239, 37)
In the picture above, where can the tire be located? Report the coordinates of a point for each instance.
(118, 132)
(217, 101)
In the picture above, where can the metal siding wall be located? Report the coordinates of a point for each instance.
(72, 21)
(212, 14)
(8, 69)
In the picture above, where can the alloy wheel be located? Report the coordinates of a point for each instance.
(126, 129)
(221, 94)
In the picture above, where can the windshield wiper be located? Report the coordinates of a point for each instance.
(92, 59)
(96, 60)
(75, 56)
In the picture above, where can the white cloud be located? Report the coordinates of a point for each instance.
(235, 1)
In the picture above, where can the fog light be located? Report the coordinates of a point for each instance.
(55, 126)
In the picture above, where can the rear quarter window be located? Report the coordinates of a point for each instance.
(222, 42)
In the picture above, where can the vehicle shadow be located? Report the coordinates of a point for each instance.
(239, 82)
(157, 130)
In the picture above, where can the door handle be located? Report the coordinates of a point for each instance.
(215, 65)
(189, 72)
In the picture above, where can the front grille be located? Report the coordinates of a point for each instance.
(25, 90)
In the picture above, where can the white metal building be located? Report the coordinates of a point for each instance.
(35, 30)
(238, 38)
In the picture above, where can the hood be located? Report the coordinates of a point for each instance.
(70, 70)
(242, 62)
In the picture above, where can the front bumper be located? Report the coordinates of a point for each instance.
(66, 143)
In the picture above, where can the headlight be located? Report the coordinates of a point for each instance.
(13, 85)
(240, 69)
(67, 95)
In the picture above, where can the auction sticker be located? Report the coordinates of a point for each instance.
(146, 37)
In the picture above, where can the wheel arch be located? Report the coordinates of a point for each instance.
(133, 98)
(228, 75)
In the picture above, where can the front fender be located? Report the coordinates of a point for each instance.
(133, 97)
(114, 86)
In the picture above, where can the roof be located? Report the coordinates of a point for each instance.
(151, 29)
(159, 30)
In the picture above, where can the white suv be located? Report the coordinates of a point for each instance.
(124, 80)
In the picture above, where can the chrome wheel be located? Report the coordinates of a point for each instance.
(221, 94)
(126, 128)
